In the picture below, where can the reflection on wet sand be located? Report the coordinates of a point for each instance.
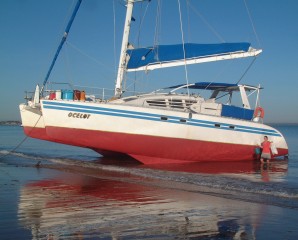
(74, 206)
(112, 203)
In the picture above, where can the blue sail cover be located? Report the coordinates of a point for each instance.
(141, 57)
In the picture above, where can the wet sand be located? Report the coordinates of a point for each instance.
(69, 202)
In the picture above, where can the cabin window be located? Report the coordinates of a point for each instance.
(183, 120)
(190, 102)
(232, 127)
(163, 118)
(157, 103)
(176, 103)
(217, 125)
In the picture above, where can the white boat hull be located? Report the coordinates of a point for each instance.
(32, 122)
(153, 135)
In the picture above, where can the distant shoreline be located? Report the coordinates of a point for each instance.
(282, 124)
(10, 123)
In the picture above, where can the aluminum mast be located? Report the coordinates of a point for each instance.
(122, 61)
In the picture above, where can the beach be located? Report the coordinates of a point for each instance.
(51, 191)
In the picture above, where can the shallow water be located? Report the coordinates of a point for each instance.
(74, 194)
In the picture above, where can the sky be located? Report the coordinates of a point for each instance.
(30, 32)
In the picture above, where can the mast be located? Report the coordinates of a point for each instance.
(122, 61)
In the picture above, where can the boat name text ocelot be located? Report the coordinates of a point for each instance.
(79, 115)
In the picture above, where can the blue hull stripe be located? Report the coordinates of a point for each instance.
(155, 117)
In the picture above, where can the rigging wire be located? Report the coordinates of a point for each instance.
(257, 38)
(64, 37)
(184, 54)
(252, 24)
(157, 25)
(50, 53)
(212, 29)
(137, 39)
(138, 44)
(92, 58)
(254, 59)
(141, 22)
(69, 74)
(188, 23)
(114, 19)
(142, 14)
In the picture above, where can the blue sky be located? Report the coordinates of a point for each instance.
(31, 31)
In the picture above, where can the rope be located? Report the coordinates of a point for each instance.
(15, 148)
(26, 137)
(184, 55)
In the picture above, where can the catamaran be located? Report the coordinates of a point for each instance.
(171, 125)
